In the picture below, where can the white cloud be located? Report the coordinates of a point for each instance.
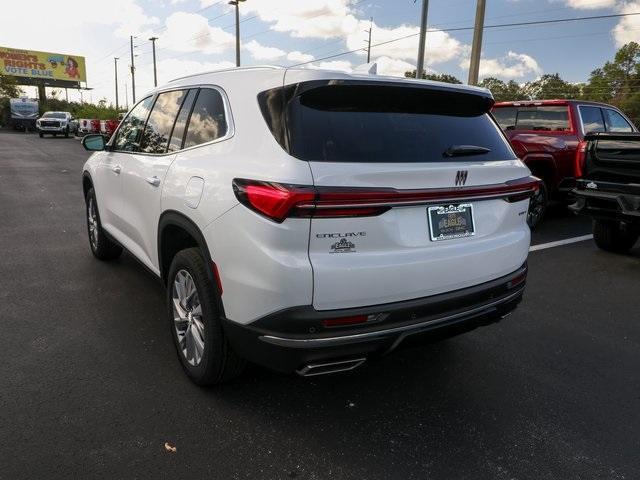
(261, 52)
(512, 65)
(169, 69)
(590, 4)
(306, 18)
(393, 66)
(190, 32)
(339, 65)
(440, 46)
(628, 28)
(297, 56)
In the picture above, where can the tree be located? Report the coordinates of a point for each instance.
(616, 80)
(503, 92)
(438, 77)
(550, 86)
(8, 87)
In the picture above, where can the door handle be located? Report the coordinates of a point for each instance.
(116, 169)
(154, 181)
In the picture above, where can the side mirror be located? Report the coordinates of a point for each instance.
(93, 143)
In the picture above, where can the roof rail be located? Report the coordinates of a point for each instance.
(232, 69)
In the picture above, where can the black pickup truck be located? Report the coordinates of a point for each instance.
(609, 189)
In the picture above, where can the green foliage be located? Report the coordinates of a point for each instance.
(438, 77)
(8, 87)
(551, 86)
(504, 91)
(101, 111)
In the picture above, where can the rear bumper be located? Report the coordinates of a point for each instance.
(608, 200)
(294, 338)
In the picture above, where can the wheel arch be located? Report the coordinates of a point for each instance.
(176, 232)
(87, 183)
(544, 167)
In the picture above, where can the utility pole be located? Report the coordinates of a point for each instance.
(115, 62)
(133, 73)
(126, 95)
(155, 74)
(423, 35)
(236, 3)
(369, 40)
(476, 48)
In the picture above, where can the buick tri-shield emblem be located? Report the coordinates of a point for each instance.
(461, 177)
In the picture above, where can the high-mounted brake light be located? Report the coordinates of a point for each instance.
(279, 201)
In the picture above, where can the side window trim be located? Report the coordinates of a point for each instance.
(626, 120)
(155, 97)
(173, 127)
(188, 122)
(580, 107)
(230, 131)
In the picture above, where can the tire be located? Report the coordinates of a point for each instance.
(612, 236)
(41, 134)
(102, 247)
(54, 134)
(192, 307)
(66, 133)
(538, 207)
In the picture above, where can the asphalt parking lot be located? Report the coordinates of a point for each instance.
(90, 386)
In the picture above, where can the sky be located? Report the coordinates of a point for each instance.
(199, 35)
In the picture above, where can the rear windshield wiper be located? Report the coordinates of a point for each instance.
(464, 150)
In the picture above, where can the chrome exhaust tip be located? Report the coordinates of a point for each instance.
(330, 367)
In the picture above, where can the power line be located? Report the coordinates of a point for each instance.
(459, 29)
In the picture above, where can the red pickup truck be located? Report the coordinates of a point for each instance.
(548, 135)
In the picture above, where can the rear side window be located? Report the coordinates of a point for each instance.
(208, 121)
(616, 122)
(391, 124)
(180, 126)
(592, 120)
(158, 129)
(130, 131)
(546, 118)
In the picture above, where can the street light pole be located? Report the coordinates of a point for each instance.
(476, 48)
(155, 74)
(236, 3)
(133, 73)
(369, 40)
(115, 62)
(421, 41)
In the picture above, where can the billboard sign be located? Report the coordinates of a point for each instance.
(23, 108)
(47, 66)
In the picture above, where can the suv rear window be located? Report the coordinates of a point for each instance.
(383, 123)
(554, 118)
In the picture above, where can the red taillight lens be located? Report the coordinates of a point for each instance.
(343, 321)
(581, 157)
(272, 200)
(278, 201)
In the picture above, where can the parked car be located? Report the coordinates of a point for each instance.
(609, 190)
(56, 123)
(308, 220)
(548, 135)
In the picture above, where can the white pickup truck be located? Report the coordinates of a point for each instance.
(56, 123)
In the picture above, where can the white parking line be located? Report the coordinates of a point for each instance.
(559, 243)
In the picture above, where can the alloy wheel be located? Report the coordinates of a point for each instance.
(92, 219)
(187, 317)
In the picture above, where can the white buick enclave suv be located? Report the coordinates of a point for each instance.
(308, 220)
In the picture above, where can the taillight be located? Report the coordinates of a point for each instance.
(280, 201)
(581, 158)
